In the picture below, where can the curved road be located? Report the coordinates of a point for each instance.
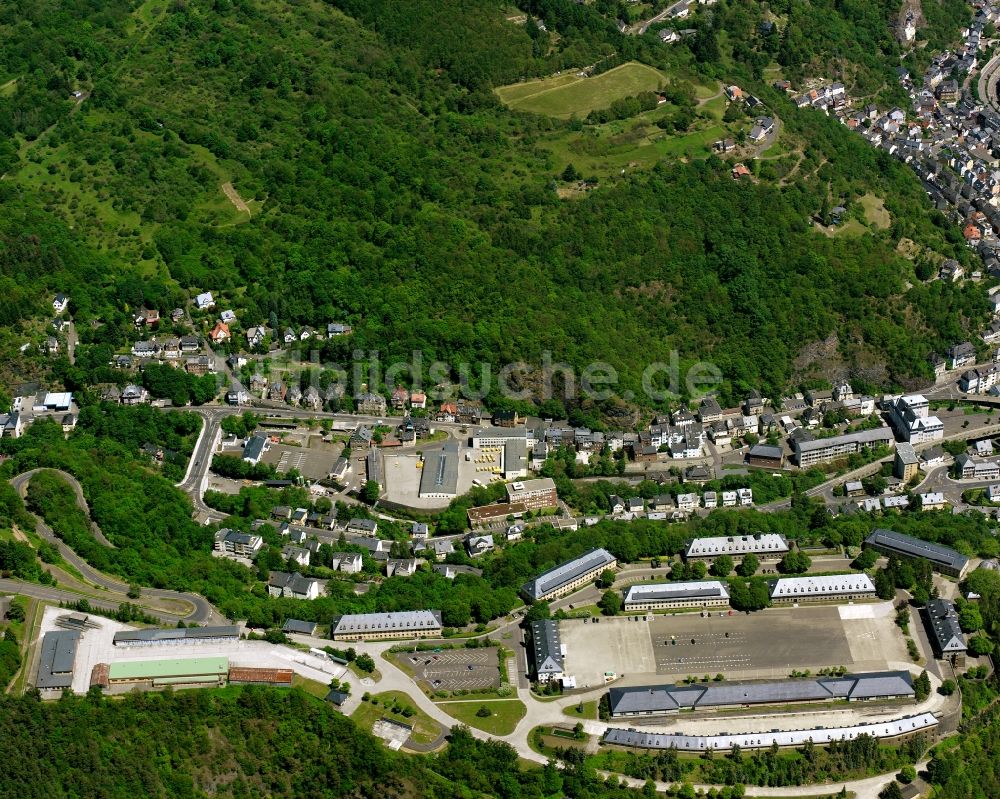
(202, 610)
(987, 86)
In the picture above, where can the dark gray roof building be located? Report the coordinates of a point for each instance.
(569, 575)
(942, 624)
(401, 624)
(297, 626)
(657, 700)
(184, 635)
(547, 650)
(944, 559)
(439, 476)
(55, 663)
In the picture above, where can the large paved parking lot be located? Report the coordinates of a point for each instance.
(456, 669)
(769, 644)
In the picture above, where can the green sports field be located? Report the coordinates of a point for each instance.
(568, 94)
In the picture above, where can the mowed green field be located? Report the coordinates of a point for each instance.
(565, 95)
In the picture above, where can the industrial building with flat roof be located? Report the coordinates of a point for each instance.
(56, 659)
(942, 558)
(661, 699)
(497, 437)
(498, 511)
(547, 650)
(883, 730)
(569, 576)
(697, 594)
(379, 626)
(825, 587)
(766, 546)
(243, 675)
(439, 475)
(535, 494)
(171, 636)
(179, 671)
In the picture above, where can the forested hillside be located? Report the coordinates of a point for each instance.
(386, 185)
(249, 742)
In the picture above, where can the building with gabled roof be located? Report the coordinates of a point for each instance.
(943, 628)
(894, 729)
(382, 626)
(568, 576)
(547, 650)
(822, 588)
(695, 594)
(663, 699)
(766, 546)
(944, 559)
(56, 660)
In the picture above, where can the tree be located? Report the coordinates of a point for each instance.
(980, 645)
(907, 774)
(922, 686)
(748, 566)
(865, 560)
(538, 611)
(794, 562)
(483, 712)
(569, 174)
(610, 603)
(15, 612)
(370, 492)
(722, 565)
(970, 619)
(947, 688)
(365, 663)
(606, 579)
(891, 791)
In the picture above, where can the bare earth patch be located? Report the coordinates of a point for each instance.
(235, 198)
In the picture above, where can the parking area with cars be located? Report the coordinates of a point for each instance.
(454, 669)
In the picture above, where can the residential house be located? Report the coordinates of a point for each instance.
(399, 398)
(228, 317)
(479, 545)
(292, 585)
(370, 404)
(297, 554)
(347, 562)
(220, 333)
(134, 395)
(204, 301)
(337, 329)
(189, 344)
(256, 336)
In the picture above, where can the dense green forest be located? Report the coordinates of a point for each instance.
(389, 188)
(245, 742)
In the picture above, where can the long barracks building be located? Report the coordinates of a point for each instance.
(568, 576)
(942, 558)
(659, 700)
(656, 596)
(382, 626)
(823, 588)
